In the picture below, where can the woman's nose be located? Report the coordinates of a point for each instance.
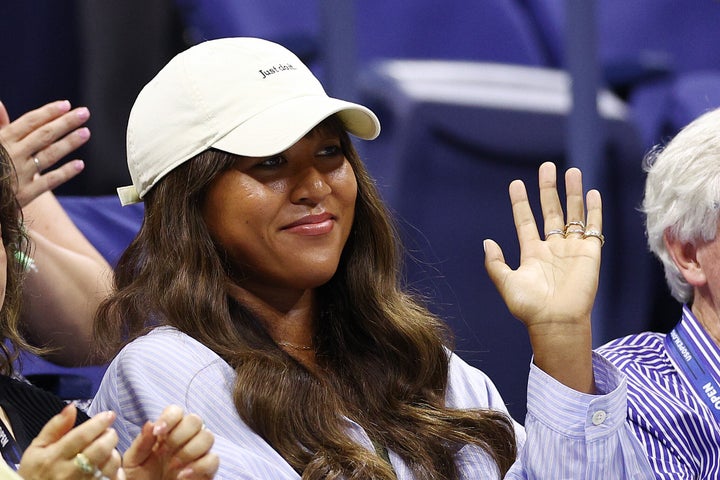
(311, 187)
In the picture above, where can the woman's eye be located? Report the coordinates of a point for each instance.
(330, 151)
(272, 161)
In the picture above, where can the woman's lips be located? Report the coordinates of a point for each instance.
(312, 225)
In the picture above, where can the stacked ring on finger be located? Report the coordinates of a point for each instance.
(596, 234)
(579, 228)
(37, 164)
(554, 232)
(578, 223)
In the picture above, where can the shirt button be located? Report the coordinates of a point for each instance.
(599, 417)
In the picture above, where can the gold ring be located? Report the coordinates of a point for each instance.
(596, 234)
(554, 232)
(577, 223)
(83, 463)
(581, 231)
(37, 164)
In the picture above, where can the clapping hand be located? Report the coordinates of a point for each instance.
(175, 446)
(63, 452)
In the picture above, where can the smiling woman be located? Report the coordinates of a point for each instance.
(267, 278)
(284, 220)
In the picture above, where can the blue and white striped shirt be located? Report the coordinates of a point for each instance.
(678, 430)
(568, 435)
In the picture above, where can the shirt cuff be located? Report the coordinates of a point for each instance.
(577, 414)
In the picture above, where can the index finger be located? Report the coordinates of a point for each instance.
(84, 434)
(168, 419)
(56, 427)
(30, 121)
(53, 138)
(522, 213)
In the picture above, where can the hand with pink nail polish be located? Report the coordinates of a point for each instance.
(175, 446)
(67, 277)
(53, 454)
(37, 140)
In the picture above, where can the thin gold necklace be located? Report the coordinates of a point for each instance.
(295, 346)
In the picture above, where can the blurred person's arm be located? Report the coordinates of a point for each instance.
(68, 280)
(67, 276)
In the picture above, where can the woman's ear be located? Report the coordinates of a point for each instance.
(684, 255)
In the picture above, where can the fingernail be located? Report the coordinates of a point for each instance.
(159, 428)
(78, 165)
(186, 473)
(485, 246)
(63, 105)
(83, 133)
(83, 113)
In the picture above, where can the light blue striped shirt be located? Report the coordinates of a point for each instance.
(676, 427)
(567, 435)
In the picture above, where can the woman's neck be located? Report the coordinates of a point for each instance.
(289, 320)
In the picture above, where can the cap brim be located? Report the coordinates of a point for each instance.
(281, 126)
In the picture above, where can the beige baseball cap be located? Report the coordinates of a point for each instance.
(245, 96)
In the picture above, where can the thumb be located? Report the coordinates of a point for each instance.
(58, 426)
(495, 264)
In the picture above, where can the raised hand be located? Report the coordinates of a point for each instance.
(37, 140)
(553, 289)
(63, 452)
(175, 446)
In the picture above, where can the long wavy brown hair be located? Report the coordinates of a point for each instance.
(16, 246)
(385, 356)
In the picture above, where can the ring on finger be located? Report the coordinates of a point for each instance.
(575, 223)
(570, 231)
(596, 234)
(82, 462)
(554, 232)
(37, 164)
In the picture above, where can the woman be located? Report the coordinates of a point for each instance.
(43, 438)
(266, 278)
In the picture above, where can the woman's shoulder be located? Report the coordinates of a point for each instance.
(165, 340)
(163, 366)
(167, 352)
(470, 387)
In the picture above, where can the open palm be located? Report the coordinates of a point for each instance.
(553, 289)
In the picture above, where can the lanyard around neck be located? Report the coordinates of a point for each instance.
(9, 447)
(694, 366)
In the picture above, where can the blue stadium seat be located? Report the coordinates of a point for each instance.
(646, 48)
(455, 135)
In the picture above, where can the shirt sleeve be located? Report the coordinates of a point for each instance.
(168, 367)
(573, 435)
